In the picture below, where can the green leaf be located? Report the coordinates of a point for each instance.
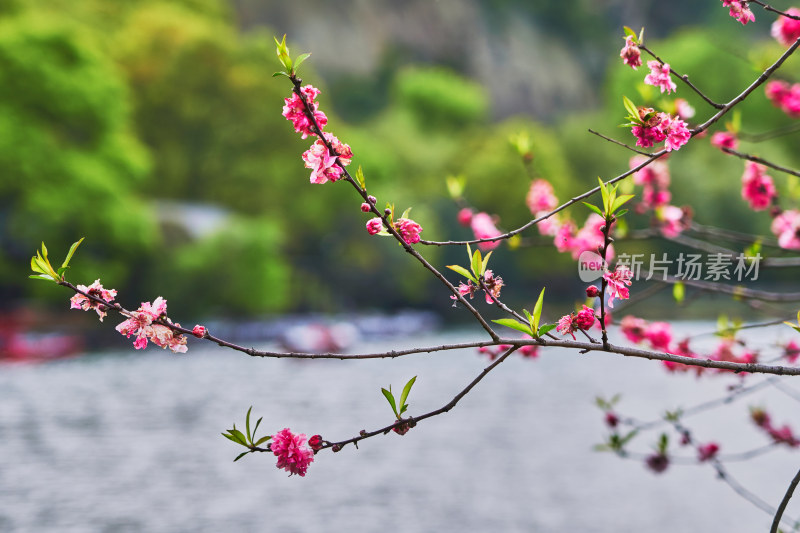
(594, 208)
(35, 265)
(258, 423)
(537, 311)
(546, 328)
(360, 177)
(631, 108)
(61, 271)
(463, 271)
(404, 395)
(485, 262)
(620, 201)
(679, 292)
(455, 186)
(44, 251)
(262, 440)
(232, 438)
(390, 399)
(514, 324)
(281, 73)
(641, 36)
(604, 193)
(476, 263)
(71, 252)
(629, 32)
(238, 435)
(300, 59)
(247, 425)
(406, 213)
(241, 455)
(619, 214)
(43, 277)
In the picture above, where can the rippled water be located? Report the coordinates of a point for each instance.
(129, 442)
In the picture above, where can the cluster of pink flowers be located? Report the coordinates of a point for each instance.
(787, 30)
(782, 435)
(529, 350)
(294, 111)
(322, 163)
(638, 330)
(141, 324)
(724, 139)
(618, 282)
(293, 456)
(79, 301)
(582, 320)
(493, 283)
(740, 10)
(655, 179)
(659, 76)
(568, 238)
(786, 226)
(630, 53)
(757, 187)
(483, 226)
(784, 96)
(657, 127)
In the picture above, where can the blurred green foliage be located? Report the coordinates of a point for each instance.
(108, 108)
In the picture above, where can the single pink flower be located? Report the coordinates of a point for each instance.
(325, 166)
(724, 139)
(465, 216)
(786, 226)
(659, 334)
(483, 226)
(757, 187)
(659, 76)
(647, 136)
(672, 220)
(784, 96)
(791, 351)
(79, 301)
(585, 318)
(494, 284)
(464, 290)
(739, 10)
(548, 226)
(408, 229)
(140, 323)
(683, 109)
(787, 30)
(365, 207)
(566, 325)
(656, 174)
(633, 328)
(293, 456)
(374, 225)
(706, 452)
(294, 111)
(540, 196)
(630, 53)
(565, 237)
(676, 131)
(617, 282)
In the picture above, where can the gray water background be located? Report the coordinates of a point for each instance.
(130, 442)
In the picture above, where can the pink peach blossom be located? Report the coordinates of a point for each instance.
(465, 216)
(659, 334)
(630, 53)
(757, 187)
(786, 226)
(408, 229)
(739, 10)
(724, 139)
(540, 196)
(483, 226)
(325, 166)
(633, 328)
(291, 451)
(374, 225)
(787, 30)
(79, 301)
(294, 111)
(618, 283)
(659, 76)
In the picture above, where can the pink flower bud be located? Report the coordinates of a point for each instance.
(592, 291)
(365, 207)
(374, 225)
(315, 442)
(371, 199)
(611, 419)
(199, 331)
(465, 216)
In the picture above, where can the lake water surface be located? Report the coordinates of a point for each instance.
(130, 442)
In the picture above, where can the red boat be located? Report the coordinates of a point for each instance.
(18, 344)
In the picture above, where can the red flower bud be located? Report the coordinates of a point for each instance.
(592, 291)
(315, 442)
